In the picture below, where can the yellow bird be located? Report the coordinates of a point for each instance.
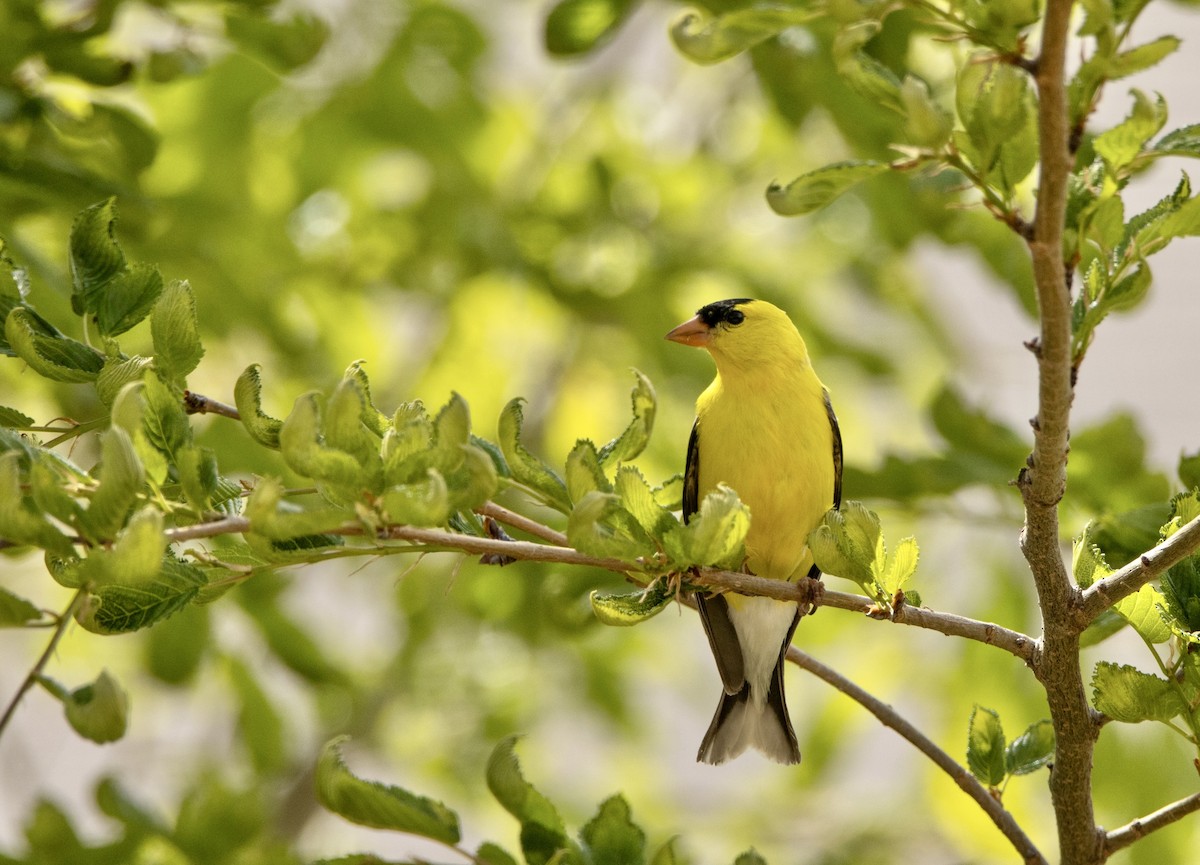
(765, 427)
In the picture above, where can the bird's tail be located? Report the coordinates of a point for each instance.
(746, 720)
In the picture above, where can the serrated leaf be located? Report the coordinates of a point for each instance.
(163, 417)
(95, 256)
(639, 500)
(99, 711)
(630, 443)
(576, 27)
(1188, 470)
(1119, 146)
(174, 328)
(632, 608)
(198, 475)
(669, 494)
(1142, 57)
(814, 190)
(15, 611)
(21, 524)
(985, 747)
(926, 123)
(120, 608)
(583, 471)
(302, 445)
(57, 358)
(1184, 141)
(714, 536)
(344, 429)
(493, 854)
(421, 503)
(599, 526)
(899, 566)
(1087, 559)
(1126, 694)
(127, 298)
(708, 39)
(380, 806)
(542, 830)
(118, 372)
(750, 857)
(526, 468)
(129, 412)
(13, 419)
(247, 396)
(1030, 751)
(275, 518)
(121, 479)
(374, 420)
(1142, 611)
(611, 836)
(847, 544)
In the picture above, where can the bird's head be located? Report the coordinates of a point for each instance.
(743, 333)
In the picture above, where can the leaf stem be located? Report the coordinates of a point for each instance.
(35, 674)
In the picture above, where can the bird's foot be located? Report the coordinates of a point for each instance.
(812, 590)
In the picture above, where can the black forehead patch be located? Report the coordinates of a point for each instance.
(715, 313)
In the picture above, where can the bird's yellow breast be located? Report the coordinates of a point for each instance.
(769, 437)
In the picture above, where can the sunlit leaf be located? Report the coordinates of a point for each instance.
(99, 711)
(634, 607)
(57, 358)
(175, 331)
(526, 468)
(1030, 751)
(11, 418)
(707, 39)
(579, 26)
(611, 837)
(985, 747)
(1126, 694)
(542, 832)
(630, 443)
(715, 535)
(247, 395)
(15, 611)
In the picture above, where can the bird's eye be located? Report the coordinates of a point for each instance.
(735, 316)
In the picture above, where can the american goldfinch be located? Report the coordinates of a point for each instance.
(765, 427)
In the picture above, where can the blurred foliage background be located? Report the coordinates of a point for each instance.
(424, 186)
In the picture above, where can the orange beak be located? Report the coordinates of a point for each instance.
(692, 332)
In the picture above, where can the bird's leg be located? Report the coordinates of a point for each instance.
(812, 590)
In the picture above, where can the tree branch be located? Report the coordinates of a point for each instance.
(1124, 582)
(965, 780)
(198, 403)
(1118, 839)
(1043, 482)
(59, 629)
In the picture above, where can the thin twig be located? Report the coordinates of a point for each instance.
(1118, 839)
(198, 403)
(59, 629)
(1124, 582)
(889, 717)
(525, 524)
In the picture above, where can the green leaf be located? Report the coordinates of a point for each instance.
(16, 611)
(542, 832)
(303, 448)
(13, 419)
(630, 443)
(421, 503)
(118, 372)
(128, 298)
(1142, 610)
(345, 430)
(985, 747)
(19, 522)
(121, 479)
(493, 854)
(1126, 694)
(175, 330)
(611, 836)
(708, 39)
(118, 608)
(277, 519)
(380, 806)
(1087, 559)
(164, 420)
(374, 420)
(860, 71)
(847, 544)
(57, 358)
(926, 123)
(578, 26)
(1142, 57)
(526, 468)
(668, 855)
(996, 105)
(1189, 470)
(750, 857)
(247, 396)
(99, 711)
(632, 608)
(814, 190)
(898, 566)
(1184, 141)
(583, 473)
(1119, 146)
(639, 500)
(96, 257)
(259, 723)
(714, 536)
(1030, 751)
(599, 526)
(198, 475)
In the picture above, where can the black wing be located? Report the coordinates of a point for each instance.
(714, 609)
(837, 453)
